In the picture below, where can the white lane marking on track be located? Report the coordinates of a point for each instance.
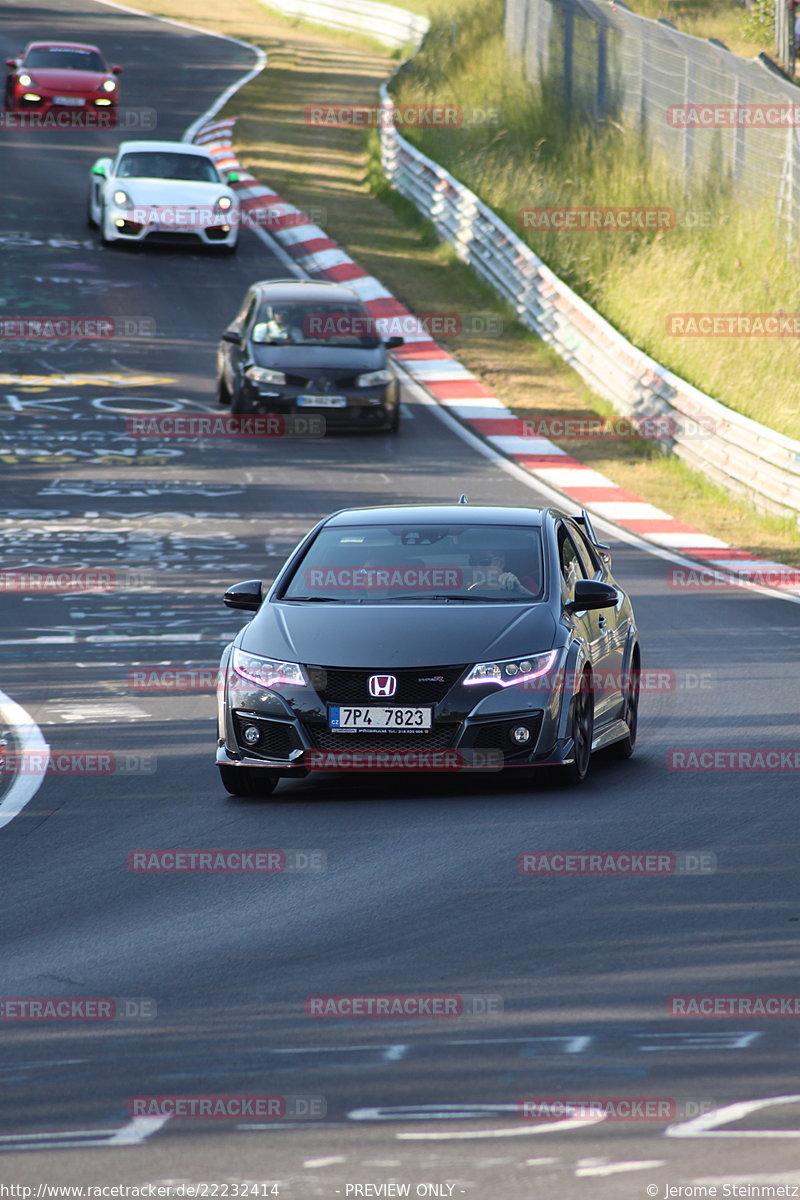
(540, 1162)
(313, 1163)
(32, 746)
(137, 1129)
(706, 1125)
(558, 500)
(474, 1135)
(589, 1167)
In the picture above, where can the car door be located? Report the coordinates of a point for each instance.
(595, 627)
(611, 622)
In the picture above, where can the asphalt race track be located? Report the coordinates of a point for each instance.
(420, 891)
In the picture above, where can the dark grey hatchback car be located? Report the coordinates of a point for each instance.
(309, 347)
(405, 633)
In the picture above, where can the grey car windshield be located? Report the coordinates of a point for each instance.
(348, 326)
(390, 563)
(158, 164)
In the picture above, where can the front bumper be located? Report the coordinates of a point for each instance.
(120, 226)
(364, 408)
(93, 111)
(467, 728)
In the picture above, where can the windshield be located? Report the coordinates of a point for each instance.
(315, 324)
(385, 563)
(161, 164)
(63, 58)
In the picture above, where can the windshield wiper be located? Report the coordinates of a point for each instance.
(315, 599)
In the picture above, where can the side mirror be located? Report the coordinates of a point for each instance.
(393, 342)
(100, 169)
(233, 177)
(11, 62)
(230, 335)
(248, 595)
(116, 70)
(590, 594)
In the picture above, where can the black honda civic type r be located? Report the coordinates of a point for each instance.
(439, 637)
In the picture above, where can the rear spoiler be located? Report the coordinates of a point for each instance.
(586, 522)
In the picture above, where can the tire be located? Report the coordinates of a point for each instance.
(630, 713)
(104, 241)
(223, 395)
(246, 781)
(239, 405)
(394, 426)
(90, 221)
(582, 731)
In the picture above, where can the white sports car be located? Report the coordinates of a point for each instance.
(166, 192)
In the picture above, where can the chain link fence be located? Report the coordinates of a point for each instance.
(712, 114)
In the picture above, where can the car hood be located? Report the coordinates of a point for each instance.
(66, 81)
(398, 635)
(318, 358)
(171, 191)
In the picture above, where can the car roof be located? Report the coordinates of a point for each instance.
(172, 147)
(314, 290)
(453, 514)
(62, 46)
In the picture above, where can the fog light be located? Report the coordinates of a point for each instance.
(119, 222)
(251, 734)
(520, 734)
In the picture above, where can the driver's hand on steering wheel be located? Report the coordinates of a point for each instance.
(509, 581)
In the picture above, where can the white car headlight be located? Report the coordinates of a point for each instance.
(108, 85)
(511, 671)
(122, 199)
(373, 378)
(264, 375)
(25, 79)
(267, 672)
(224, 203)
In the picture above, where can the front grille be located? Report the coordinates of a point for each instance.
(423, 685)
(313, 384)
(277, 739)
(439, 738)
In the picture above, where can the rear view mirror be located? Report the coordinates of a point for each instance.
(116, 70)
(247, 595)
(393, 342)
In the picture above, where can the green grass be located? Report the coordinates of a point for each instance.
(718, 258)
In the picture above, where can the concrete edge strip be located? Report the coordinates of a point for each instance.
(34, 752)
(457, 391)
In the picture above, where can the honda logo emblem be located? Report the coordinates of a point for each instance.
(382, 685)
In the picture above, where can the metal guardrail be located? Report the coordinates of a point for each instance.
(738, 453)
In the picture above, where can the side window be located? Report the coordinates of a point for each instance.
(572, 565)
(587, 551)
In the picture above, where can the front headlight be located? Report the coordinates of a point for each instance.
(224, 203)
(264, 375)
(25, 79)
(267, 672)
(373, 378)
(510, 671)
(122, 199)
(108, 85)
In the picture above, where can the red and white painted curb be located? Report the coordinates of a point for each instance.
(462, 394)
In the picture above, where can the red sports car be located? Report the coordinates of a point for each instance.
(69, 83)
